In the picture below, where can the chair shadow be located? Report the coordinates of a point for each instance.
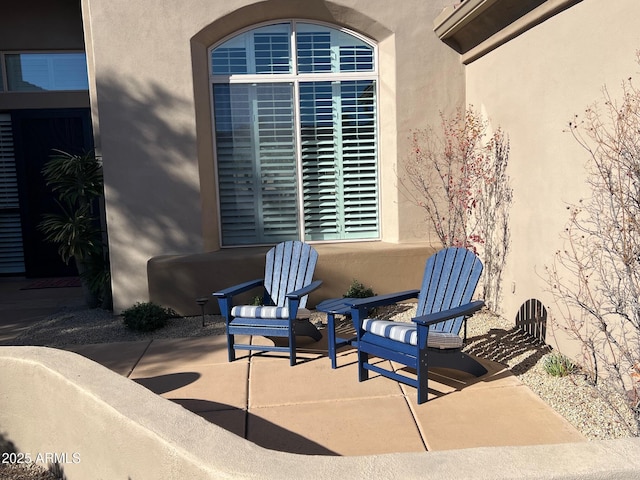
(453, 380)
(273, 437)
(238, 421)
(253, 428)
(503, 346)
(166, 383)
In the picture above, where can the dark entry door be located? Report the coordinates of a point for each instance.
(35, 134)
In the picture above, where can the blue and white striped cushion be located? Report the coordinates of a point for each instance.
(251, 311)
(408, 333)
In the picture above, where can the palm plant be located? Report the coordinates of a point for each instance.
(78, 184)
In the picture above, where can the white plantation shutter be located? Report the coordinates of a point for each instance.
(264, 50)
(295, 114)
(322, 49)
(275, 138)
(229, 60)
(339, 160)
(271, 51)
(255, 145)
(314, 51)
(11, 250)
(320, 165)
(235, 154)
(359, 159)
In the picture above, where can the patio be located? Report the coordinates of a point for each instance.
(310, 408)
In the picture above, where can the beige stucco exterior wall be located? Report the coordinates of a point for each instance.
(151, 110)
(532, 86)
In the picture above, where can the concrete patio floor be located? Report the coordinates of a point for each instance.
(310, 408)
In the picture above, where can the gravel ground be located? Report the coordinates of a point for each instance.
(26, 472)
(489, 336)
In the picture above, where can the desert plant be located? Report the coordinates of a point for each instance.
(147, 316)
(558, 365)
(595, 278)
(458, 177)
(358, 290)
(77, 182)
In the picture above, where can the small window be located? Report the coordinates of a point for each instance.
(41, 72)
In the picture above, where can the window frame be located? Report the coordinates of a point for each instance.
(4, 72)
(295, 78)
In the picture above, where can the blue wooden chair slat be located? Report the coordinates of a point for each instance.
(300, 274)
(291, 267)
(439, 294)
(444, 303)
(288, 280)
(448, 282)
(279, 281)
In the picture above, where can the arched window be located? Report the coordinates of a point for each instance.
(295, 120)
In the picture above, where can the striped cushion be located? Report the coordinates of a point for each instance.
(408, 333)
(250, 311)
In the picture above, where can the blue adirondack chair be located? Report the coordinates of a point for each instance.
(287, 282)
(433, 338)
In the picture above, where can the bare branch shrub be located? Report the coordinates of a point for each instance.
(458, 177)
(595, 279)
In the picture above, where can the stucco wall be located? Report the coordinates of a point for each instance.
(177, 280)
(151, 110)
(532, 87)
(102, 425)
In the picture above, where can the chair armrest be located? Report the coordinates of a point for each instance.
(304, 290)
(379, 300)
(361, 307)
(465, 310)
(293, 299)
(236, 289)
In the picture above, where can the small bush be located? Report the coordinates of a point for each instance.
(146, 317)
(358, 290)
(558, 365)
(257, 301)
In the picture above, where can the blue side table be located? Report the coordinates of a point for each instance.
(333, 307)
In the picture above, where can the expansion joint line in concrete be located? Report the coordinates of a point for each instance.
(414, 415)
(139, 358)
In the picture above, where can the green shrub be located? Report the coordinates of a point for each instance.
(146, 317)
(558, 365)
(257, 301)
(358, 290)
